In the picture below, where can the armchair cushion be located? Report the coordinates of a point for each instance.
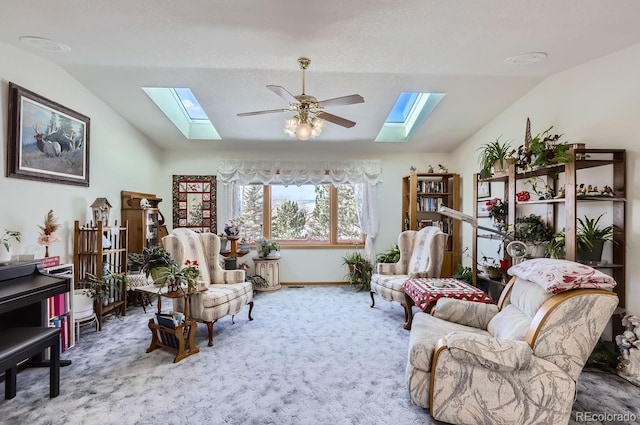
(556, 276)
(464, 312)
(489, 352)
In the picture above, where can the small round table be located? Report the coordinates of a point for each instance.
(269, 269)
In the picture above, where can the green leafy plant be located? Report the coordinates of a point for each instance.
(183, 279)
(155, 258)
(543, 149)
(588, 231)
(100, 288)
(463, 273)
(266, 246)
(492, 153)
(392, 255)
(532, 229)
(360, 270)
(8, 236)
(135, 260)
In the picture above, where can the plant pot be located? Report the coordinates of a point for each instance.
(5, 255)
(536, 249)
(591, 256)
(157, 273)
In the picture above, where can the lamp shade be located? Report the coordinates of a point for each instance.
(303, 132)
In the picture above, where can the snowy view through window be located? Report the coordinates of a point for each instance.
(301, 213)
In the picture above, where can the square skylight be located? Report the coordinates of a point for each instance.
(183, 109)
(407, 114)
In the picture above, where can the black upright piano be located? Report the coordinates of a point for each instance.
(24, 290)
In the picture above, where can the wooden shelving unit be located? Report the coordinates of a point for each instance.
(563, 212)
(100, 250)
(422, 194)
(146, 225)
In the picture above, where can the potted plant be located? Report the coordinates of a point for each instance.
(392, 255)
(5, 241)
(498, 210)
(183, 279)
(360, 270)
(135, 261)
(156, 262)
(590, 239)
(267, 248)
(495, 155)
(543, 149)
(99, 289)
(245, 245)
(534, 232)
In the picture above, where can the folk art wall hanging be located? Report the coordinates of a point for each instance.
(194, 203)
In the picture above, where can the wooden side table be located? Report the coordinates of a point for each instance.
(269, 269)
(233, 254)
(180, 339)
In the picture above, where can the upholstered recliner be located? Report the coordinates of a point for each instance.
(517, 362)
(421, 255)
(227, 291)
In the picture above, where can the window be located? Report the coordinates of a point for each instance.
(309, 214)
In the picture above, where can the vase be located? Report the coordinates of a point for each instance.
(46, 251)
(5, 254)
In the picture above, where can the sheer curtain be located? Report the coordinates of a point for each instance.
(363, 174)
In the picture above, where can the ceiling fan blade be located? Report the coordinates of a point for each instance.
(282, 92)
(344, 100)
(336, 119)
(268, 111)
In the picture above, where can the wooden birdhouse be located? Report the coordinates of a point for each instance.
(100, 209)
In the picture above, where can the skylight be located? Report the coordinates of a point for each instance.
(183, 109)
(408, 113)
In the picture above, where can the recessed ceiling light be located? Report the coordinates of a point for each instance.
(45, 44)
(526, 58)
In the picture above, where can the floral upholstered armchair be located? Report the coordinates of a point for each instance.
(227, 291)
(421, 255)
(517, 362)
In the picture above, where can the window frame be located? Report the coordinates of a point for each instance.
(333, 241)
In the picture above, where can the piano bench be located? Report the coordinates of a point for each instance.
(18, 344)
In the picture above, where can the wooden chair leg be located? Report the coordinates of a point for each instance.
(373, 301)
(210, 330)
(250, 309)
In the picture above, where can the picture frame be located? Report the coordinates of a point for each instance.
(46, 141)
(484, 189)
(195, 203)
(483, 209)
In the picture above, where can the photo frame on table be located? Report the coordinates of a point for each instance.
(194, 203)
(484, 189)
(47, 141)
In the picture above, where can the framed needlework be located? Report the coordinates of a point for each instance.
(484, 189)
(194, 203)
(47, 141)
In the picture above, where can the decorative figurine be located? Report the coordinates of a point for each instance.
(443, 169)
(560, 194)
(629, 345)
(412, 168)
(430, 169)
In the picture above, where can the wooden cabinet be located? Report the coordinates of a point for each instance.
(100, 251)
(422, 194)
(146, 224)
(589, 166)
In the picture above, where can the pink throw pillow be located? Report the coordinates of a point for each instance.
(561, 275)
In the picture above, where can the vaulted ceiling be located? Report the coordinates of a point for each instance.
(227, 51)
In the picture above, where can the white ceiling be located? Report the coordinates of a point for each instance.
(227, 51)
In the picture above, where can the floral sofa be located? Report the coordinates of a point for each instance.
(516, 362)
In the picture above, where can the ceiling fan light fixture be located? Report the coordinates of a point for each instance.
(304, 131)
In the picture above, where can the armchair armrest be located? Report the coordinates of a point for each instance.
(228, 276)
(469, 313)
(489, 352)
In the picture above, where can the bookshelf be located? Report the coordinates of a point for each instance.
(422, 195)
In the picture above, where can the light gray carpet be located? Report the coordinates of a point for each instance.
(313, 355)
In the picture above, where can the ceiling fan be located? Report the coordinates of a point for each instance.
(311, 117)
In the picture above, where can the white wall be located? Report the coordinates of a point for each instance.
(120, 158)
(310, 265)
(596, 103)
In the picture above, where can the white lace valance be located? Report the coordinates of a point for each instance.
(243, 171)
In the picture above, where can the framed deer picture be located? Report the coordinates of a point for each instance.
(47, 141)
